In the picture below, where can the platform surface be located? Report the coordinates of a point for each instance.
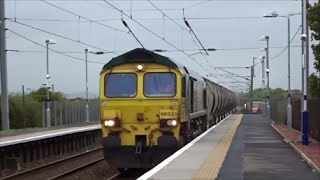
(238, 148)
(42, 133)
(186, 163)
(259, 152)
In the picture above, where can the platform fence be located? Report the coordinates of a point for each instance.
(278, 113)
(70, 112)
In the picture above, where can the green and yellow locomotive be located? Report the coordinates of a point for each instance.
(151, 106)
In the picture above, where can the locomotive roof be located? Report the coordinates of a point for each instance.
(140, 55)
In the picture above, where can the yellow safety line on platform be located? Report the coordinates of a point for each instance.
(210, 168)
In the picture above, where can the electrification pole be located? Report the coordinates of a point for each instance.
(48, 114)
(251, 85)
(87, 96)
(305, 114)
(307, 51)
(87, 104)
(289, 108)
(263, 84)
(3, 68)
(268, 79)
(302, 75)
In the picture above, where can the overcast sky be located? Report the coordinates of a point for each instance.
(224, 24)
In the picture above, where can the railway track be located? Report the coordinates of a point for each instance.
(61, 168)
(113, 177)
(76, 169)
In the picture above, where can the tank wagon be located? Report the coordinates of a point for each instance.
(151, 106)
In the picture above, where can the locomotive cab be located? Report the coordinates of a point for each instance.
(141, 109)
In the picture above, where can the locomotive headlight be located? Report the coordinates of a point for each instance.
(172, 122)
(140, 67)
(109, 123)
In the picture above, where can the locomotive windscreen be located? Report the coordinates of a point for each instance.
(159, 84)
(121, 85)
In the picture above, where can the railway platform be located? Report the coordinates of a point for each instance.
(27, 135)
(20, 148)
(239, 147)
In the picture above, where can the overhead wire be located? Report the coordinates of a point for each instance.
(89, 20)
(137, 10)
(166, 15)
(33, 51)
(279, 54)
(136, 38)
(58, 7)
(228, 49)
(183, 28)
(140, 19)
(191, 30)
(259, 69)
(232, 73)
(191, 0)
(150, 31)
(122, 51)
(200, 53)
(196, 4)
(58, 52)
(243, 85)
(58, 35)
(204, 57)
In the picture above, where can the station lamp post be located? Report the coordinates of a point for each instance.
(266, 38)
(274, 14)
(48, 78)
(263, 81)
(87, 98)
(251, 82)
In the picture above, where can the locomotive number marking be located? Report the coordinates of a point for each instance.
(168, 114)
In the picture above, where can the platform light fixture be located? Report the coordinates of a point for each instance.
(274, 14)
(48, 78)
(266, 38)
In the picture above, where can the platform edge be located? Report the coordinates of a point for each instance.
(300, 153)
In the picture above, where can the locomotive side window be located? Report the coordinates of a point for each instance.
(121, 85)
(159, 85)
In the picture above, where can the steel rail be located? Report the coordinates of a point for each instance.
(46, 166)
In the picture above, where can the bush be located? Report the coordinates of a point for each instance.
(23, 115)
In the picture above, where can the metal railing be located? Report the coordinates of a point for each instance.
(70, 112)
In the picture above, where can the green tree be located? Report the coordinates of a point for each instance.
(41, 95)
(277, 93)
(24, 112)
(313, 18)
